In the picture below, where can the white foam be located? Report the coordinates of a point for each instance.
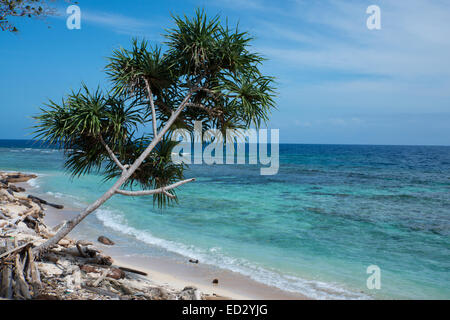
(214, 256)
(33, 183)
(48, 150)
(74, 201)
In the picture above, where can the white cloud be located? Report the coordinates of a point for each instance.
(120, 23)
(413, 41)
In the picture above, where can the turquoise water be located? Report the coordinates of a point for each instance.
(313, 228)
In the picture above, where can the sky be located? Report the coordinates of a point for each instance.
(337, 81)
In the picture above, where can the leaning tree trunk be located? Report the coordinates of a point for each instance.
(126, 174)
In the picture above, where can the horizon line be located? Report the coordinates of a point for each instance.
(307, 143)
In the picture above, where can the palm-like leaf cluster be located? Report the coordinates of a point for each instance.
(80, 122)
(204, 58)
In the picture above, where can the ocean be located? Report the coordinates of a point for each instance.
(314, 228)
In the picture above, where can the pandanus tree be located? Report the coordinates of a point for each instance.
(207, 73)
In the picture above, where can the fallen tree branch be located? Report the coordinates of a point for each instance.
(7, 253)
(35, 276)
(133, 271)
(39, 200)
(6, 289)
(154, 191)
(21, 285)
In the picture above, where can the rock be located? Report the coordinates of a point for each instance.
(84, 243)
(158, 293)
(105, 240)
(86, 268)
(193, 261)
(190, 293)
(19, 177)
(15, 189)
(103, 260)
(64, 242)
(116, 274)
(215, 281)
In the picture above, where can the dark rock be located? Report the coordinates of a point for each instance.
(116, 274)
(189, 293)
(103, 260)
(105, 240)
(215, 281)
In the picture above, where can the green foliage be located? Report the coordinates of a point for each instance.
(155, 172)
(204, 57)
(78, 122)
(22, 8)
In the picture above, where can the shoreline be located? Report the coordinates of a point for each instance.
(69, 270)
(176, 274)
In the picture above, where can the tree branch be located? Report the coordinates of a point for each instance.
(169, 194)
(157, 138)
(210, 111)
(200, 106)
(112, 155)
(152, 105)
(211, 93)
(154, 191)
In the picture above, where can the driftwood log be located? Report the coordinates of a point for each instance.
(17, 268)
(21, 287)
(6, 289)
(42, 201)
(35, 277)
(133, 271)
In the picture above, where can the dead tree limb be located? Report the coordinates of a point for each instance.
(39, 200)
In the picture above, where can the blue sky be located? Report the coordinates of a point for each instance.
(338, 82)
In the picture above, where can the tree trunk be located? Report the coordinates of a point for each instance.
(68, 226)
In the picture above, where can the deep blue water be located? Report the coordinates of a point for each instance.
(315, 227)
